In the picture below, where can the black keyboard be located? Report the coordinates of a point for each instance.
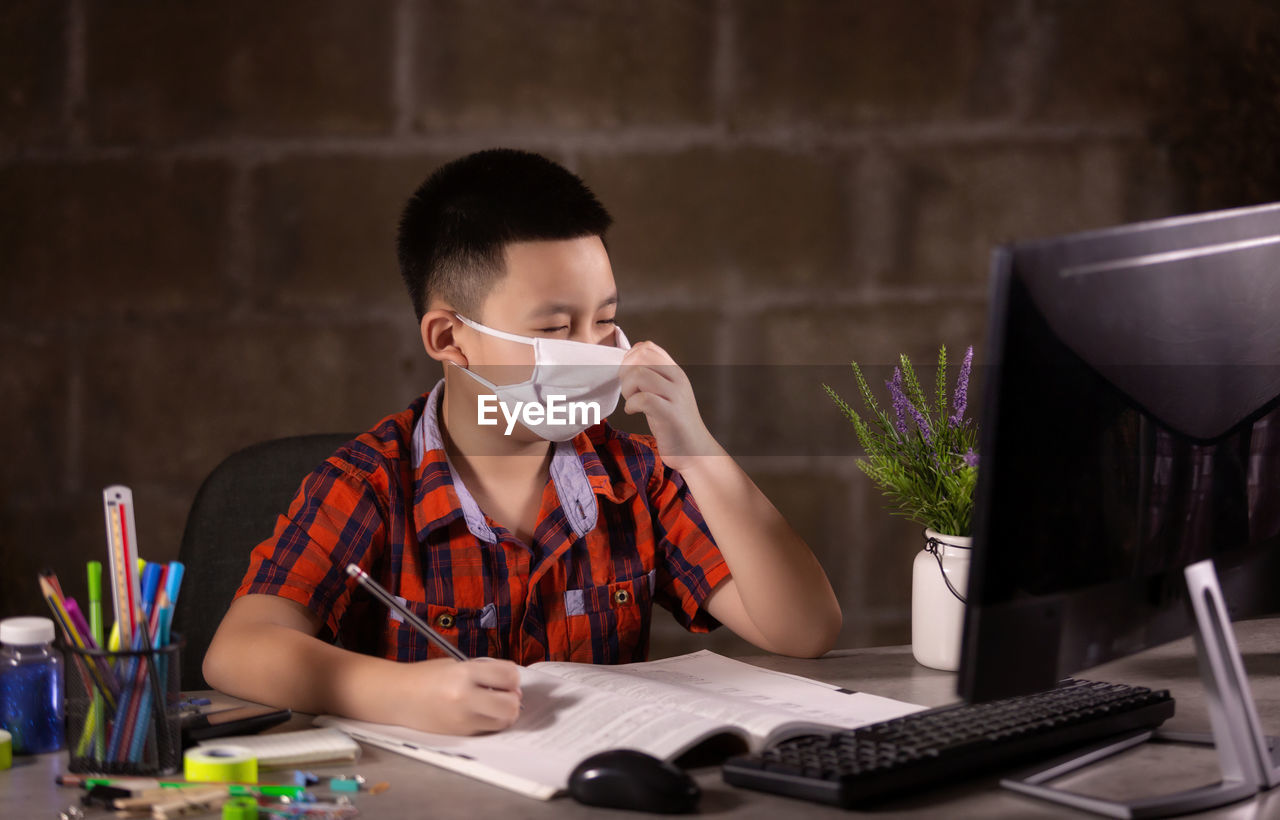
(855, 766)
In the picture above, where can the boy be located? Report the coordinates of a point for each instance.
(499, 523)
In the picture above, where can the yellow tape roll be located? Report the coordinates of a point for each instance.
(6, 750)
(220, 764)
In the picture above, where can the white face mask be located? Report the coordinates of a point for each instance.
(575, 383)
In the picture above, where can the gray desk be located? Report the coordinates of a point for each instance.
(419, 790)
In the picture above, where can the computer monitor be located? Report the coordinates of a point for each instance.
(1131, 427)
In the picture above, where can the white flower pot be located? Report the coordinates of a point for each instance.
(937, 615)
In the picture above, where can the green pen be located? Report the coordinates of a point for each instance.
(94, 569)
(234, 789)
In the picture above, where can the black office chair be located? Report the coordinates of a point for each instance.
(234, 510)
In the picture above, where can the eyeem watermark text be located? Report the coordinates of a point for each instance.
(556, 411)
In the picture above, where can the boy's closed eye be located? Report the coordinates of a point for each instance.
(565, 328)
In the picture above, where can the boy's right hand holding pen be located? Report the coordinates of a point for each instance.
(472, 696)
(462, 697)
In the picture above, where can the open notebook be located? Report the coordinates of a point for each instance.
(666, 707)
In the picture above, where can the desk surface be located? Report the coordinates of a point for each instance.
(29, 791)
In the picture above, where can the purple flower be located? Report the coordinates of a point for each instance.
(962, 393)
(923, 424)
(899, 399)
(971, 458)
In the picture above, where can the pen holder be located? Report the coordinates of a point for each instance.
(123, 710)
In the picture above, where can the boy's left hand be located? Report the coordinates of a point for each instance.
(653, 384)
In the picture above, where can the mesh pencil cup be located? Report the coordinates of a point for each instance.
(123, 710)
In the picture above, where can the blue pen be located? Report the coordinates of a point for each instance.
(172, 586)
(150, 586)
(124, 734)
(163, 606)
(115, 750)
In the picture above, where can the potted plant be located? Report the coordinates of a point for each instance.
(922, 454)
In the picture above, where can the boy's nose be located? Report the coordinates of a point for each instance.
(585, 333)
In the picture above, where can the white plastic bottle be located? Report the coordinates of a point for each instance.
(32, 685)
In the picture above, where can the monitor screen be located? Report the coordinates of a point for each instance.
(1131, 426)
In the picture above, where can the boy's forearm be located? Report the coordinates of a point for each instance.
(266, 650)
(282, 666)
(783, 588)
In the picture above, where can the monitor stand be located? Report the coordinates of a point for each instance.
(1246, 757)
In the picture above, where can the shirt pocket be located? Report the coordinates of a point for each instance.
(473, 631)
(610, 623)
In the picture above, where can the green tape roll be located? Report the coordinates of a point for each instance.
(220, 764)
(240, 808)
(6, 750)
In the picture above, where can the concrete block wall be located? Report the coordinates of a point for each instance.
(198, 205)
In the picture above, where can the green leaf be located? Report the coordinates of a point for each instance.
(941, 398)
(915, 394)
(925, 481)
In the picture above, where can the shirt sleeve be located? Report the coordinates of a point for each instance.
(689, 563)
(334, 519)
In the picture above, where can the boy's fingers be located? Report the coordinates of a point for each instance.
(662, 366)
(643, 380)
(647, 353)
(502, 708)
(502, 675)
(646, 403)
(638, 403)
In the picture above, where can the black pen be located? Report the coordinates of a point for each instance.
(413, 620)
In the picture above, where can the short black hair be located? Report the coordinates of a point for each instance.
(455, 227)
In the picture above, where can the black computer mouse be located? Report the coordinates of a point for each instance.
(628, 779)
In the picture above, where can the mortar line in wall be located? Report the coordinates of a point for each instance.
(873, 190)
(402, 92)
(751, 302)
(239, 262)
(759, 302)
(74, 103)
(1027, 65)
(723, 58)
(861, 562)
(602, 143)
(216, 317)
(831, 465)
(726, 330)
(76, 417)
(766, 299)
(883, 614)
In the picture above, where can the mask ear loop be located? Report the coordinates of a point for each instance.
(500, 334)
(620, 339)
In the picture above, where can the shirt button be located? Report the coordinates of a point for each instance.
(444, 620)
(621, 596)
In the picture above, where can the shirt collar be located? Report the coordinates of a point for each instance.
(575, 470)
(602, 483)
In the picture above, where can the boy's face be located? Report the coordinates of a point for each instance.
(558, 289)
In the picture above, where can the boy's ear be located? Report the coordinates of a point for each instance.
(437, 327)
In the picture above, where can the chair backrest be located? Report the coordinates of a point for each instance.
(234, 510)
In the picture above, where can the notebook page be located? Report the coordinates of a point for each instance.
(562, 723)
(727, 690)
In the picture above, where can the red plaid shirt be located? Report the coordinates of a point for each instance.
(616, 531)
